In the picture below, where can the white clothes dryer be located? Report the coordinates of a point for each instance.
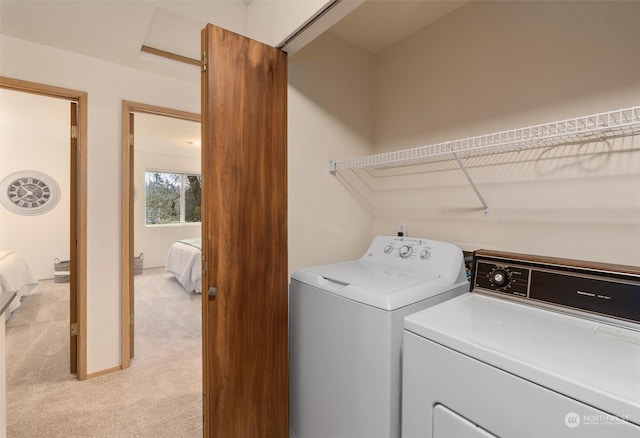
(346, 322)
(541, 347)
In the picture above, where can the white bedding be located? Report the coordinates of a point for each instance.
(15, 276)
(184, 262)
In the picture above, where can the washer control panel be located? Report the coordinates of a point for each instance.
(407, 248)
(415, 253)
(596, 288)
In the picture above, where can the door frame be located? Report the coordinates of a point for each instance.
(79, 228)
(127, 215)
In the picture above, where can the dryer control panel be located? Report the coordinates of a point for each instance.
(503, 277)
(596, 288)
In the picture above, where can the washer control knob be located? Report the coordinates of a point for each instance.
(388, 249)
(405, 251)
(500, 277)
(425, 254)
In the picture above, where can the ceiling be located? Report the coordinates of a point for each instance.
(379, 24)
(114, 31)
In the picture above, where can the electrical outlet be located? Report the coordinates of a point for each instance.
(402, 229)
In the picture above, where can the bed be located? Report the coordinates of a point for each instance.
(15, 276)
(184, 261)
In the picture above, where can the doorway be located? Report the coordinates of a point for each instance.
(128, 225)
(77, 213)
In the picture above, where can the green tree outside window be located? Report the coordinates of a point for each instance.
(172, 198)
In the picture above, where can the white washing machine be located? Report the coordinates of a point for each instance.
(541, 347)
(346, 323)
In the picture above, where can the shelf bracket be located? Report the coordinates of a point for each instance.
(472, 183)
(331, 168)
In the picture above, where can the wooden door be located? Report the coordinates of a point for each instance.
(244, 237)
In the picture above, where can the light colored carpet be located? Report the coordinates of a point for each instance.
(160, 395)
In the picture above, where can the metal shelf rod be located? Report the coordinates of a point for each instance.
(473, 184)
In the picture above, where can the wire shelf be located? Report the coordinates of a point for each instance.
(600, 126)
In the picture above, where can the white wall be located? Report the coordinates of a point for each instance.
(34, 135)
(107, 85)
(492, 66)
(330, 118)
(154, 241)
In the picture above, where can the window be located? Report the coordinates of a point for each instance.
(172, 198)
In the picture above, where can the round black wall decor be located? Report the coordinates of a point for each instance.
(29, 192)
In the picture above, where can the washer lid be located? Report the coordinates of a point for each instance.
(375, 284)
(373, 276)
(592, 362)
